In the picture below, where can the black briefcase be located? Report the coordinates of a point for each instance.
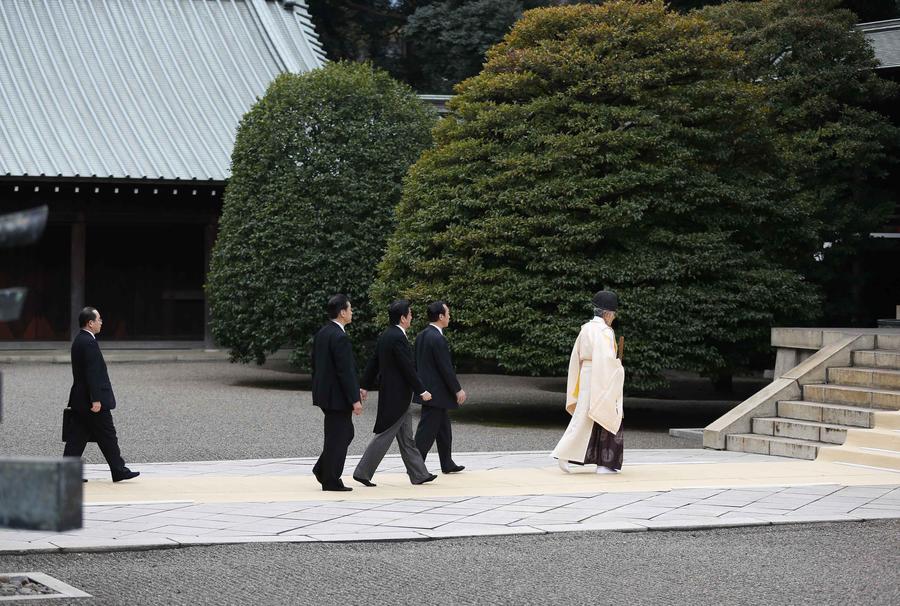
(72, 429)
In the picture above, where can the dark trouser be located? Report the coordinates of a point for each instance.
(338, 435)
(435, 424)
(100, 427)
(605, 449)
(401, 430)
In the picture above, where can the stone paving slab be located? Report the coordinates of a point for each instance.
(691, 489)
(474, 461)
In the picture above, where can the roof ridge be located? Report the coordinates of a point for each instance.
(157, 104)
(280, 47)
(875, 26)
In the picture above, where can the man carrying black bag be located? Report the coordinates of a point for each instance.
(91, 400)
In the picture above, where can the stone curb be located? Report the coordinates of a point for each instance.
(626, 526)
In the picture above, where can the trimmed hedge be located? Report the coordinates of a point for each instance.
(316, 174)
(604, 146)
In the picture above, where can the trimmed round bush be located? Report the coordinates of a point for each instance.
(603, 147)
(316, 175)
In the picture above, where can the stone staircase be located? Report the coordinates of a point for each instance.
(852, 416)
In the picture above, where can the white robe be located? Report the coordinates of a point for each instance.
(593, 389)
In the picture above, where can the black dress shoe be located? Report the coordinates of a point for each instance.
(426, 480)
(83, 480)
(337, 488)
(126, 476)
(454, 469)
(364, 482)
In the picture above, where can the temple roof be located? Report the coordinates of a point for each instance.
(884, 36)
(139, 89)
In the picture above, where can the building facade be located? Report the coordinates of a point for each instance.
(121, 116)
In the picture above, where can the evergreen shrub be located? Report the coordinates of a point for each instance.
(605, 146)
(316, 175)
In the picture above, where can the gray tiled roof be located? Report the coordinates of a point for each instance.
(139, 88)
(885, 39)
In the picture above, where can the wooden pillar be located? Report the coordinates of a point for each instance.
(209, 238)
(77, 273)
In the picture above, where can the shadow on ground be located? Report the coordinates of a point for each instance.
(537, 402)
(298, 383)
(204, 411)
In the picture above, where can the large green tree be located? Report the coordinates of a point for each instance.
(363, 30)
(316, 174)
(434, 44)
(823, 99)
(448, 40)
(603, 146)
(430, 44)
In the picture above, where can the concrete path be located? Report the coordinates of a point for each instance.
(499, 493)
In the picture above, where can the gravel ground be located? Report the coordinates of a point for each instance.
(215, 410)
(821, 564)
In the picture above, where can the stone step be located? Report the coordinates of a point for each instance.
(802, 430)
(849, 395)
(877, 358)
(878, 378)
(821, 412)
(772, 445)
(886, 419)
(882, 439)
(856, 455)
(888, 341)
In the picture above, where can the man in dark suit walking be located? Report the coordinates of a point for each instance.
(91, 399)
(392, 362)
(335, 389)
(435, 367)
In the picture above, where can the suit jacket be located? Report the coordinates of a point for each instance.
(90, 380)
(392, 363)
(435, 367)
(334, 382)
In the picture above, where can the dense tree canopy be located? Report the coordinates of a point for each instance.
(823, 97)
(316, 174)
(433, 44)
(604, 146)
(449, 39)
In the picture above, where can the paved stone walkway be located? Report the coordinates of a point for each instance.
(397, 511)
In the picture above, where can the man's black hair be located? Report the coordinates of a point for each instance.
(337, 304)
(87, 314)
(397, 310)
(435, 310)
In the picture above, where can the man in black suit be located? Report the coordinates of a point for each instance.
(435, 367)
(91, 399)
(392, 362)
(335, 389)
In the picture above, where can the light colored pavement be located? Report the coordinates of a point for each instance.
(500, 493)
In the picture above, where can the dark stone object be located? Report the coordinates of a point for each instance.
(18, 229)
(41, 493)
(23, 227)
(11, 301)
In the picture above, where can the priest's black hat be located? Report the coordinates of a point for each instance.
(606, 299)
